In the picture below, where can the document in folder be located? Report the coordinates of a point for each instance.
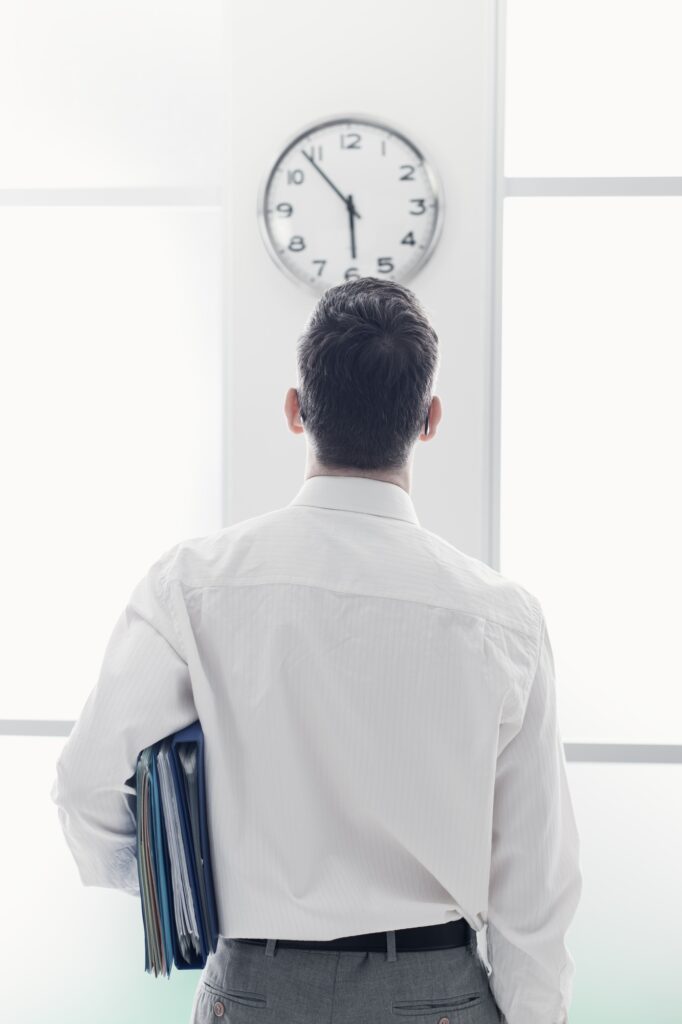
(173, 853)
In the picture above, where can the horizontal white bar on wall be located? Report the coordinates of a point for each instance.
(629, 753)
(528, 187)
(35, 727)
(209, 195)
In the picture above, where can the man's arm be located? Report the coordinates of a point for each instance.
(142, 695)
(535, 877)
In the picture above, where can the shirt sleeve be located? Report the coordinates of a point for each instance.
(143, 694)
(535, 878)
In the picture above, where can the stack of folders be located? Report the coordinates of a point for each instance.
(173, 855)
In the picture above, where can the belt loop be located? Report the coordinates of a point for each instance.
(390, 946)
(270, 947)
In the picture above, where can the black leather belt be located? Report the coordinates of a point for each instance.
(431, 936)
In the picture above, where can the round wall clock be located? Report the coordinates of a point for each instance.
(350, 196)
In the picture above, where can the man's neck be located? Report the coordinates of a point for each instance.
(401, 477)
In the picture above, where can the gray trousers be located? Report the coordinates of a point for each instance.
(246, 983)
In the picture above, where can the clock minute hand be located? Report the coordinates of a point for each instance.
(328, 180)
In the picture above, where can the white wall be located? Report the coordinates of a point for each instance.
(430, 70)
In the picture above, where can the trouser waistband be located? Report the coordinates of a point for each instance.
(435, 936)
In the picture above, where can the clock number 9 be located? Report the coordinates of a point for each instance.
(285, 209)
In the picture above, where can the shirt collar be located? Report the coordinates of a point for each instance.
(357, 494)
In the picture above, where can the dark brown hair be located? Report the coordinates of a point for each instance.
(367, 362)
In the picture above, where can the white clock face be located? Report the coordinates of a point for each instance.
(350, 197)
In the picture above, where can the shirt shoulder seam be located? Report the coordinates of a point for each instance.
(197, 584)
(167, 602)
(539, 633)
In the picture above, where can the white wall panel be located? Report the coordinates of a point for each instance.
(429, 70)
(110, 93)
(110, 412)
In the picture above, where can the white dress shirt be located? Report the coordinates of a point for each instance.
(381, 740)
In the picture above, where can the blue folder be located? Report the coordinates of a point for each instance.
(177, 895)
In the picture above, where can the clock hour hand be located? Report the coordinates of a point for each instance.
(352, 214)
(327, 179)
